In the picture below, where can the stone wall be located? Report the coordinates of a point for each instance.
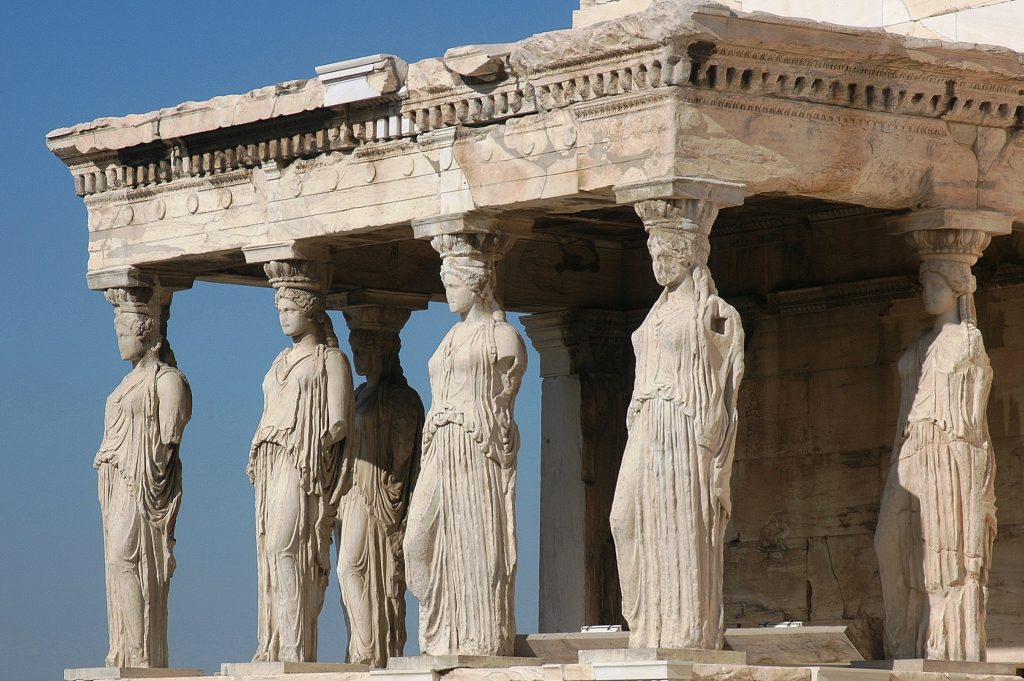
(991, 22)
(819, 405)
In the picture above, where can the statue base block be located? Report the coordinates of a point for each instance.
(808, 644)
(105, 673)
(654, 664)
(443, 663)
(274, 668)
(565, 648)
(944, 666)
(694, 655)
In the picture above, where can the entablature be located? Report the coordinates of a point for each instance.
(548, 126)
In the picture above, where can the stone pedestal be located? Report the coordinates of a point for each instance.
(734, 672)
(714, 672)
(654, 670)
(696, 656)
(404, 675)
(444, 663)
(105, 673)
(823, 644)
(654, 664)
(566, 648)
(265, 669)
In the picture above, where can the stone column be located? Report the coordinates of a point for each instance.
(460, 544)
(587, 368)
(672, 498)
(295, 462)
(139, 467)
(937, 520)
(382, 462)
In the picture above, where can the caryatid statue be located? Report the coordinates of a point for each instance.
(937, 520)
(140, 479)
(296, 462)
(672, 501)
(384, 454)
(460, 543)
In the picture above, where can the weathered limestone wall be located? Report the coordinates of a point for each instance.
(818, 409)
(989, 22)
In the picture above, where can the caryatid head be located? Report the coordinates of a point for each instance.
(947, 256)
(468, 268)
(947, 284)
(300, 298)
(137, 313)
(678, 232)
(374, 338)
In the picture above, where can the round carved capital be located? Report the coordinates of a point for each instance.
(307, 275)
(688, 215)
(956, 245)
(481, 247)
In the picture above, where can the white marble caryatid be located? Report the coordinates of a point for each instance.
(296, 465)
(384, 453)
(140, 480)
(460, 545)
(672, 500)
(937, 520)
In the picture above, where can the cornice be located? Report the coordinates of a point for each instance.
(133, 194)
(705, 72)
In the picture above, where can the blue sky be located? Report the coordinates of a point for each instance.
(64, 63)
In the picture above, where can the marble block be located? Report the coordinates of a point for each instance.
(272, 668)
(642, 670)
(864, 674)
(441, 663)
(945, 666)
(568, 672)
(565, 648)
(691, 655)
(103, 673)
(404, 675)
(795, 645)
(740, 672)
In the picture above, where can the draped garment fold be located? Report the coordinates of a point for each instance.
(298, 485)
(937, 521)
(672, 500)
(384, 455)
(460, 542)
(140, 494)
